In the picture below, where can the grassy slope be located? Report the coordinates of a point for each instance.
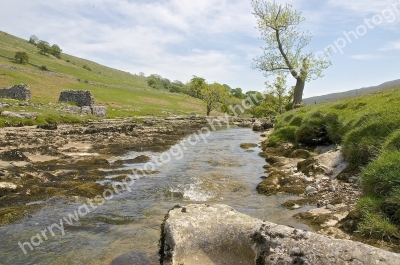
(136, 100)
(368, 127)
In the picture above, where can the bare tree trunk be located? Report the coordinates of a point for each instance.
(298, 92)
(208, 110)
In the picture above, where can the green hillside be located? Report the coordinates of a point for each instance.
(124, 93)
(350, 93)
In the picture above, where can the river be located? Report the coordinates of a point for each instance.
(125, 229)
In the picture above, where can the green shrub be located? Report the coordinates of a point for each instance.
(87, 67)
(334, 127)
(44, 68)
(296, 121)
(313, 130)
(285, 134)
(288, 118)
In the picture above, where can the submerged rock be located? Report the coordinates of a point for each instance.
(300, 153)
(7, 187)
(248, 145)
(204, 234)
(137, 160)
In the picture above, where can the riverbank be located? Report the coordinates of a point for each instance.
(357, 136)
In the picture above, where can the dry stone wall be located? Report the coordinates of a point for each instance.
(81, 98)
(19, 92)
(84, 101)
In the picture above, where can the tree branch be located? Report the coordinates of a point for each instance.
(291, 68)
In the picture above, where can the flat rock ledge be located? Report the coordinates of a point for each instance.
(217, 234)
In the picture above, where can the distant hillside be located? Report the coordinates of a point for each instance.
(350, 93)
(124, 93)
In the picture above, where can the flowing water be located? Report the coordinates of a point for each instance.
(125, 229)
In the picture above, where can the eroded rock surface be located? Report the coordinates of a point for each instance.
(203, 234)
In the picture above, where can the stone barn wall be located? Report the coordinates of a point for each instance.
(84, 101)
(19, 92)
(81, 98)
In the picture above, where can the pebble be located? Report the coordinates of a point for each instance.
(330, 207)
(311, 189)
(308, 179)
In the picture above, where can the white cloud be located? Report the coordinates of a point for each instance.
(215, 39)
(365, 7)
(158, 36)
(395, 45)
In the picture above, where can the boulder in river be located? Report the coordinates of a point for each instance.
(217, 234)
(262, 125)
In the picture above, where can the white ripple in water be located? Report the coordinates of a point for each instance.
(195, 192)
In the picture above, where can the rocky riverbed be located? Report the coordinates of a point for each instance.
(67, 160)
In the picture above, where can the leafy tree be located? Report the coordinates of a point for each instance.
(214, 95)
(44, 47)
(166, 83)
(280, 90)
(177, 87)
(153, 81)
(255, 96)
(177, 83)
(34, 40)
(267, 108)
(56, 51)
(228, 88)
(196, 84)
(284, 53)
(22, 57)
(237, 93)
(158, 82)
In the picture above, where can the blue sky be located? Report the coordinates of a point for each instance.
(214, 39)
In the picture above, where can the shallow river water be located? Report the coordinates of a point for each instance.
(125, 229)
